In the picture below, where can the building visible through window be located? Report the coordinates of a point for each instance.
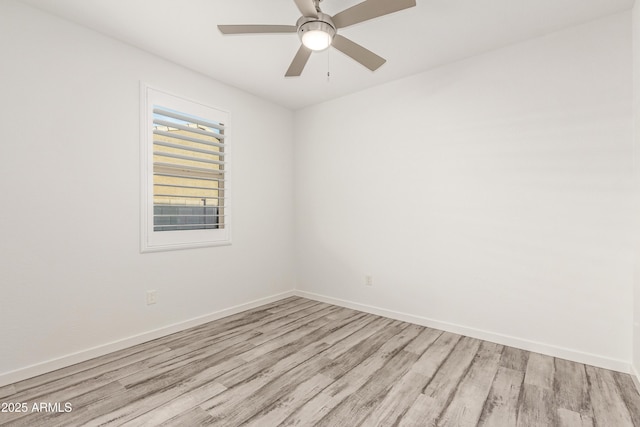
(188, 172)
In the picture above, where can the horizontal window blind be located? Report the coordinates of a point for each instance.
(188, 172)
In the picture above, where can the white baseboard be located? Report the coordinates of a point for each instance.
(635, 377)
(101, 350)
(551, 350)
(524, 344)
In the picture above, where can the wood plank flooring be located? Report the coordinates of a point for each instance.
(298, 362)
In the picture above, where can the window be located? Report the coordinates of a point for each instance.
(185, 185)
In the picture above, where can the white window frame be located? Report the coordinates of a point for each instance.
(155, 241)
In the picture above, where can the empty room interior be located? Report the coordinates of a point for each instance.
(336, 213)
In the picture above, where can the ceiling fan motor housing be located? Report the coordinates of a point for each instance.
(316, 33)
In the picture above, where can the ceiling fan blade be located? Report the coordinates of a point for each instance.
(307, 8)
(299, 61)
(370, 9)
(358, 53)
(253, 29)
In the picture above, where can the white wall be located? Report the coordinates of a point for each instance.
(490, 197)
(636, 121)
(72, 275)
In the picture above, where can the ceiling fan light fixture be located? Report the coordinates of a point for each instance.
(316, 40)
(316, 34)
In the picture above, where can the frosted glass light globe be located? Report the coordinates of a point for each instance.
(316, 39)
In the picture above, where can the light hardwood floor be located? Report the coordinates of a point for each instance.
(298, 362)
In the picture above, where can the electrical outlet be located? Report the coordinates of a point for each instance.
(368, 280)
(152, 297)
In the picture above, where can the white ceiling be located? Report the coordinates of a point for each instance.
(435, 32)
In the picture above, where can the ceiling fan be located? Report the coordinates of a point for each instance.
(318, 31)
